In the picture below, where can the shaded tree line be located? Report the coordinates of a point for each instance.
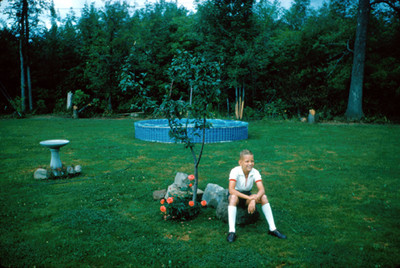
(277, 62)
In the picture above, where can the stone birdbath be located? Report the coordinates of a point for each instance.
(54, 146)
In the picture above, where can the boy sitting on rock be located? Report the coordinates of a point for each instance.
(241, 180)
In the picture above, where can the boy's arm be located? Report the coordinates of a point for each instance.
(233, 191)
(261, 190)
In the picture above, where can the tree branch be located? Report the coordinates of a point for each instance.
(348, 46)
(203, 141)
(390, 3)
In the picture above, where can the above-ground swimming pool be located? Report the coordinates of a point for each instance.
(156, 130)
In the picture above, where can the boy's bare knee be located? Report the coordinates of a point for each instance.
(233, 200)
(264, 199)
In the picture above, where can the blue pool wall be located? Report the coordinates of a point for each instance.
(157, 130)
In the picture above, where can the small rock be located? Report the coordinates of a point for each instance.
(40, 174)
(78, 169)
(160, 194)
(70, 170)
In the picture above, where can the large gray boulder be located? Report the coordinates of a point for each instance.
(217, 197)
(176, 191)
(180, 187)
(181, 179)
(214, 194)
(242, 215)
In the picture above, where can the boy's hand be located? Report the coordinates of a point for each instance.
(253, 197)
(251, 207)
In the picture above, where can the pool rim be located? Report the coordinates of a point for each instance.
(229, 131)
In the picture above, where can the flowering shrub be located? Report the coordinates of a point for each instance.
(181, 208)
(170, 200)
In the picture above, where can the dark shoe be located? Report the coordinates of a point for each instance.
(276, 233)
(231, 237)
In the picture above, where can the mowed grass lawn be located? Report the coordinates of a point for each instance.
(333, 188)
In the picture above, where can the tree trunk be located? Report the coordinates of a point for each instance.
(21, 57)
(28, 83)
(191, 95)
(27, 58)
(196, 174)
(22, 54)
(239, 107)
(197, 161)
(354, 106)
(110, 108)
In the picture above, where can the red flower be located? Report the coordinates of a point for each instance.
(163, 209)
(191, 203)
(170, 200)
(191, 177)
(204, 203)
(162, 201)
(190, 185)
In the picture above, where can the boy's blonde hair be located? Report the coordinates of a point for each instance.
(245, 152)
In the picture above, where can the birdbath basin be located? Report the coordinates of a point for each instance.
(54, 146)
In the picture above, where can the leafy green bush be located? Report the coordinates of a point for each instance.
(250, 113)
(59, 106)
(325, 114)
(141, 101)
(87, 107)
(80, 98)
(276, 109)
(40, 107)
(377, 119)
(16, 103)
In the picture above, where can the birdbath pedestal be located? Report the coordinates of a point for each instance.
(54, 146)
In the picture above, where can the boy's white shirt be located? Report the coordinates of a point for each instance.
(237, 175)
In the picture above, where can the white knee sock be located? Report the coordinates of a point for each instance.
(268, 215)
(232, 218)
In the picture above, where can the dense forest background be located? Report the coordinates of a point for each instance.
(117, 59)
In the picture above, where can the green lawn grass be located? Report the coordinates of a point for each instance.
(334, 191)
